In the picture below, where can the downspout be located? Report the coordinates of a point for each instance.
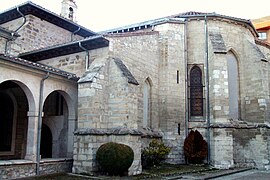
(40, 121)
(12, 34)
(207, 87)
(72, 34)
(86, 56)
(24, 19)
(186, 79)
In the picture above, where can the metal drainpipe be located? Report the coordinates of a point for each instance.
(186, 81)
(72, 34)
(86, 56)
(207, 87)
(186, 78)
(40, 120)
(12, 34)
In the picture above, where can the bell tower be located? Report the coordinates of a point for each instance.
(69, 10)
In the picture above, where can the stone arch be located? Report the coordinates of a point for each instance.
(233, 84)
(60, 122)
(27, 91)
(67, 97)
(23, 103)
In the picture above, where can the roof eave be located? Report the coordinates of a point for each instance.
(36, 10)
(90, 43)
(181, 17)
(40, 67)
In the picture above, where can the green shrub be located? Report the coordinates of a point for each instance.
(195, 147)
(154, 154)
(114, 158)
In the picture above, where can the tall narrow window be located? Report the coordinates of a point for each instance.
(146, 103)
(196, 92)
(233, 86)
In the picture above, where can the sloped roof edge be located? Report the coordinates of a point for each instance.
(181, 17)
(7, 34)
(90, 43)
(36, 10)
(39, 66)
(131, 79)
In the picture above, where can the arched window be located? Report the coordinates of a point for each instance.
(70, 15)
(233, 85)
(196, 92)
(146, 103)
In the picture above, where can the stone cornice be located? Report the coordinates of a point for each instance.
(119, 131)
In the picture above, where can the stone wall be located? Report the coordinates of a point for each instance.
(253, 87)
(14, 169)
(75, 63)
(2, 45)
(139, 51)
(251, 147)
(36, 34)
(172, 87)
(86, 145)
(107, 106)
(158, 55)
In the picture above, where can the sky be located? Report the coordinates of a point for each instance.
(99, 15)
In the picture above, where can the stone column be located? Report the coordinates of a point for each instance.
(32, 135)
(71, 129)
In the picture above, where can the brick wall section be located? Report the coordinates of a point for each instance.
(36, 34)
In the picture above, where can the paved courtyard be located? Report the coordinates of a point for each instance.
(247, 175)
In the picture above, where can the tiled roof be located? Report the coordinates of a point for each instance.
(191, 13)
(180, 18)
(262, 43)
(39, 66)
(44, 14)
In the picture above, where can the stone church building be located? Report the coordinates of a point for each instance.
(69, 90)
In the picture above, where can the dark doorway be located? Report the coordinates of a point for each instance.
(13, 120)
(46, 142)
(6, 122)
